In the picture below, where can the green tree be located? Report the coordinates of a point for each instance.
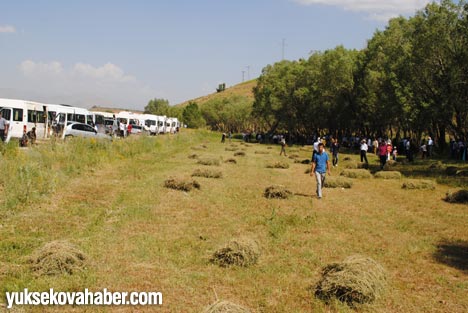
(191, 116)
(158, 107)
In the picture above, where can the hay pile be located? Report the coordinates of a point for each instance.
(225, 307)
(357, 279)
(261, 152)
(308, 170)
(304, 161)
(451, 170)
(388, 175)
(460, 196)
(209, 162)
(231, 149)
(418, 184)
(181, 184)
(437, 166)
(363, 165)
(350, 165)
(356, 173)
(279, 164)
(237, 252)
(231, 160)
(58, 257)
(277, 192)
(293, 156)
(193, 156)
(338, 182)
(207, 173)
(239, 153)
(390, 165)
(347, 159)
(269, 147)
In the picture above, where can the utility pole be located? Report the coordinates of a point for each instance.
(248, 72)
(283, 45)
(243, 74)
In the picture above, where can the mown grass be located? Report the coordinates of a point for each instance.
(109, 200)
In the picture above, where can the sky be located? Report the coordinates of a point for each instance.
(122, 53)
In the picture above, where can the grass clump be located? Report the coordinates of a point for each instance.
(293, 156)
(207, 173)
(225, 307)
(209, 162)
(460, 196)
(239, 153)
(231, 160)
(58, 257)
(193, 156)
(181, 184)
(304, 161)
(277, 192)
(242, 252)
(261, 152)
(356, 173)
(388, 175)
(356, 280)
(231, 149)
(418, 184)
(279, 164)
(337, 182)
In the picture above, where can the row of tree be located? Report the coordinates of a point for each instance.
(410, 80)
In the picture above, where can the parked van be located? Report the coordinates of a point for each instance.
(23, 116)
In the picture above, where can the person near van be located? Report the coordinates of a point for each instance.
(320, 166)
(129, 129)
(32, 135)
(3, 127)
(24, 139)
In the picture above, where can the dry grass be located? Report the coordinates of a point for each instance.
(231, 160)
(193, 156)
(304, 161)
(388, 175)
(181, 184)
(279, 164)
(460, 196)
(58, 257)
(225, 307)
(356, 173)
(207, 173)
(209, 162)
(294, 156)
(231, 149)
(240, 153)
(337, 182)
(356, 280)
(242, 252)
(421, 184)
(261, 152)
(277, 192)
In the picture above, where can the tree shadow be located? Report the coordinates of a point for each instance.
(453, 253)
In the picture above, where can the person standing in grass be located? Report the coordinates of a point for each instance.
(383, 153)
(3, 127)
(375, 145)
(283, 146)
(223, 138)
(335, 147)
(320, 166)
(364, 148)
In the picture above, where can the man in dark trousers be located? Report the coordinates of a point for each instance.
(320, 166)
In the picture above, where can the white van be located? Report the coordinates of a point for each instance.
(151, 123)
(23, 116)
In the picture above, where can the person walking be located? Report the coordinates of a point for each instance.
(335, 149)
(283, 146)
(430, 146)
(320, 166)
(364, 148)
(3, 127)
(223, 138)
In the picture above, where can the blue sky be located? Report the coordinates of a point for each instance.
(123, 53)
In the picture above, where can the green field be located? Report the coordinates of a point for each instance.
(109, 200)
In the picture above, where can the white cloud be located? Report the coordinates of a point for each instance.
(381, 10)
(84, 84)
(7, 29)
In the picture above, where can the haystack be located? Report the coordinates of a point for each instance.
(208, 162)
(293, 156)
(357, 279)
(58, 257)
(277, 192)
(181, 184)
(239, 153)
(237, 252)
(338, 182)
(261, 152)
(304, 161)
(193, 156)
(279, 164)
(356, 173)
(225, 307)
(207, 173)
(388, 175)
(460, 196)
(231, 160)
(437, 166)
(418, 184)
(451, 170)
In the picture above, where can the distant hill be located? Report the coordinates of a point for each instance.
(111, 110)
(242, 89)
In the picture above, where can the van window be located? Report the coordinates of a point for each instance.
(80, 118)
(99, 119)
(89, 120)
(36, 116)
(18, 115)
(6, 114)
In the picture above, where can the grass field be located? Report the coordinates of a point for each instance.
(109, 200)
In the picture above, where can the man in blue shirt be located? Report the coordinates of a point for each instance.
(320, 165)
